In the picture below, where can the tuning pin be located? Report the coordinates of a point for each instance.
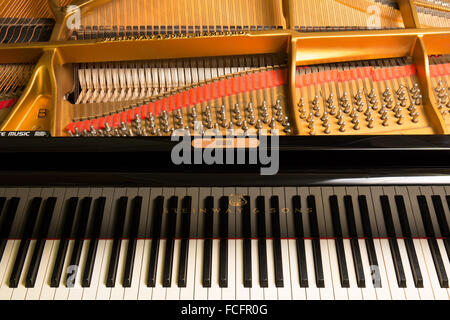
(400, 120)
(415, 117)
(342, 127)
(385, 122)
(370, 123)
(356, 125)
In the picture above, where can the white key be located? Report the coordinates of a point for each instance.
(426, 293)
(145, 293)
(411, 291)
(285, 293)
(200, 292)
(326, 293)
(159, 292)
(439, 293)
(188, 292)
(62, 292)
(383, 293)
(242, 293)
(118, 292)
(103, 292)
(35, 292)
(229, 293)
(396, 292)
(173, 293)
(215, 292)
(76, 293)
(369, 292)
(312, 292)
(132, 292)
(7, 265)
(20, 292)
(256, 291)
(445, 259)
(298, 293)
(90, 293)
(47, 292)
(339, 292)
(354, 293)
(270, 293)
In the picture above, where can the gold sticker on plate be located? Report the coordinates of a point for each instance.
(225, 143)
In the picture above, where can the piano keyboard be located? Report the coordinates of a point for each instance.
(370, 243)
(361, 97)
(132, 18)
(342, 15)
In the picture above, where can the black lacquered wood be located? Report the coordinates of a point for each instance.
(8, 218)
(340, 251)
(80, 234)
(136, 208)
(393, 243)
(186, 212)
(158, 210)
(47, 216)
(69, 218)
(99, 208)
(247, 235)
(353, 233)
(410, 248)
(170, 242)
(300, 236)
(314, 230)
(30, 222)
(276, 234)
(119, 226)
(262, 244)
(432, 243)
(208, 238)
(224, 234)
(367, 229)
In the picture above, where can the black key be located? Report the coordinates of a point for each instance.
(32, 215)
(186, 211)
(442, 220)
(223, 263)
(40, 243)
(276, 232)
(208, 235)
(136, 207)
(99, 208)
(247, 235)
(156, 236)
(262, 245)
(170, 242)
(2, 204)
(337, 229)
(367, 229)
(300, 235)
(5, 229)
(411, 250)
(69, 217)
(393, 244)
(80, 234)
(117, 242)
(432, 243)
(353, 233)
(314, 228)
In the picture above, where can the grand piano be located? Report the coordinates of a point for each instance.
(232, 150)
